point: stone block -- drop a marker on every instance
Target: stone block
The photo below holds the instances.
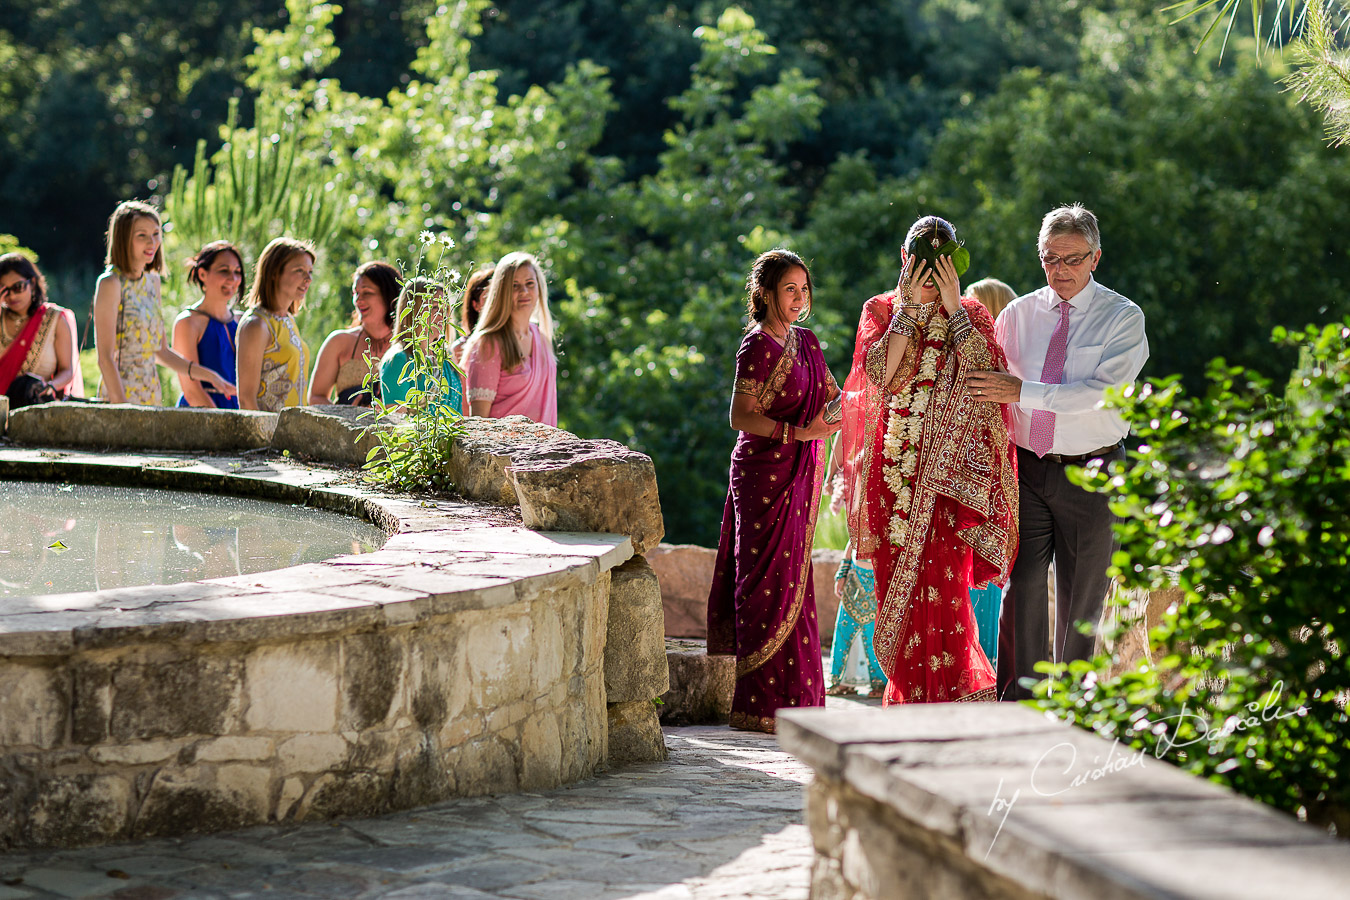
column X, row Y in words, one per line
column 685, row 572
column 438, row 678
column 635, row 647
column 635, row 733
column 292, row 688
column 34, row 703
column 175, row 697
column 235, row 749
column 131, row 427
column 419, row 777
column 478, row 461
column 499, row 650
column 91, row 703
column 292, row 789
column 202, row 799
column 603, row 487
column 4, row 414
column 139, row 753
column 311, row 753
column 700, row 685
column 547, row 633
column 345, row 794
column 483, row 766
column 540, row 752
column 583, row 732
column 71, row 810
column 372, row 679
column 329, row 433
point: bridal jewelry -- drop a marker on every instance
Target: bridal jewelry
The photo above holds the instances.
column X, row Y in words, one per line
column 6, row 334
column 904, row 429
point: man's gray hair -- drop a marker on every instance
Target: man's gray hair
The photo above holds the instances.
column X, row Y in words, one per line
column 1073, row 219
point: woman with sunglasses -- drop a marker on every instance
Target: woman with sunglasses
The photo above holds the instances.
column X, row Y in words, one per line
column 38, row 361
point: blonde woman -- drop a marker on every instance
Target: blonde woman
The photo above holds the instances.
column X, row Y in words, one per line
column 508, row 362
column 272, row 359
column 994, row 294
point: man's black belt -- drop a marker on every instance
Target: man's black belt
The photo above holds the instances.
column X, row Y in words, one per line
column 1081, row 458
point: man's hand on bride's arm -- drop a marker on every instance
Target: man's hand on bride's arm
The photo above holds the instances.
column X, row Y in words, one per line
column 994, row 387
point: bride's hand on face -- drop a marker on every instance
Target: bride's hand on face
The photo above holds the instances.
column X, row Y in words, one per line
column 949, row 284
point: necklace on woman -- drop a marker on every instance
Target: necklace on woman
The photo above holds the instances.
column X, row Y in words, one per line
column 780, row 338
column 904, row 430
column 6, row 334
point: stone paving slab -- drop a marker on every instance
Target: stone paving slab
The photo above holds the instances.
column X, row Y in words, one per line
column 721, row 818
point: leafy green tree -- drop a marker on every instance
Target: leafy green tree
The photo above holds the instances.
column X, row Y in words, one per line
column 1217, row 198
column 656, row 272
column 1240, row 496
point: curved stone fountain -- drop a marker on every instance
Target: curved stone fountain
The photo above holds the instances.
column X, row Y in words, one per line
column 509, row 640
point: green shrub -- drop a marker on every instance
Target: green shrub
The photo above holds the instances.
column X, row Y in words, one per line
column 1242, row 497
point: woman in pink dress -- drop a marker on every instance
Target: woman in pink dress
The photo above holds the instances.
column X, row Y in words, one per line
column 508, row 363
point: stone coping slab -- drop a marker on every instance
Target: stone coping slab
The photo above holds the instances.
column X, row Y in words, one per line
column 1051, row 810
column 441, row 556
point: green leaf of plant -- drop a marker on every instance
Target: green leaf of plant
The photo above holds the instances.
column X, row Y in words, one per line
column 961, row 261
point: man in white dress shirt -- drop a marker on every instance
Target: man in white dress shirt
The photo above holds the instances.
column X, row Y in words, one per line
column 1066, row 344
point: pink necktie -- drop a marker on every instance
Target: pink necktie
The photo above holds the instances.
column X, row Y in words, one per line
column 1043, row 421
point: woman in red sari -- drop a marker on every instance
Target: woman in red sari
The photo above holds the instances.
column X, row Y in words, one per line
column 930, row 476
column 762, row 606
column 38, row 361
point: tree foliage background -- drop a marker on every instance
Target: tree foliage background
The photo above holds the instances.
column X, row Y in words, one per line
column 648, row 150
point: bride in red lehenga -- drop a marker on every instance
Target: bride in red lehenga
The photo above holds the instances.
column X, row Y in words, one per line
column 931, row 479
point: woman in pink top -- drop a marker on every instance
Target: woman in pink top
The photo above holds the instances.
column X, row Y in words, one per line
column 508, row 364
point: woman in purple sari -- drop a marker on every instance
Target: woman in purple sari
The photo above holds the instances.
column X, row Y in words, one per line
column 762, row 606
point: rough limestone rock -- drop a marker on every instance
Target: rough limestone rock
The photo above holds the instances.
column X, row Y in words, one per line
column 700, row 685
column 685, row 572
column 635, row 733
column 561, row 482
column 604, row 487
column 327, row 433
column 4, row 414
column 478, row 462
column 128, row 427
column 635, row 646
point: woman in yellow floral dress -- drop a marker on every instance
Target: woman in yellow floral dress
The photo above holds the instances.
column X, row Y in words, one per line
column 128, row 328
column 272, row 360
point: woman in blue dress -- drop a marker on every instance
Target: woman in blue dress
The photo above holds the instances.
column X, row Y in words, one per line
column 204, row 334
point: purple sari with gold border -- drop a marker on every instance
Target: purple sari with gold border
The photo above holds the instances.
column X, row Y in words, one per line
column 762, row 606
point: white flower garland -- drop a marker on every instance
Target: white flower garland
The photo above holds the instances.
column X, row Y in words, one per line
column 900, row 445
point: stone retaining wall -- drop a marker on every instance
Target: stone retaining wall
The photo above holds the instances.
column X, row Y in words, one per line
column 994, row 800
column 469, row 655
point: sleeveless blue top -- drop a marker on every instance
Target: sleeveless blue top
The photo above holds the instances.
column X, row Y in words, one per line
column 216, row 351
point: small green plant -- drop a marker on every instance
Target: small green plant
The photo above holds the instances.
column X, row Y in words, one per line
column 1242, row 497
column 412, row 454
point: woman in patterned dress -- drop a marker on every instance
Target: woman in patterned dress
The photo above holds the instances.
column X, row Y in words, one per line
column 272, row 359
column 128, row 327
column 929, row 476
column 762, row 606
